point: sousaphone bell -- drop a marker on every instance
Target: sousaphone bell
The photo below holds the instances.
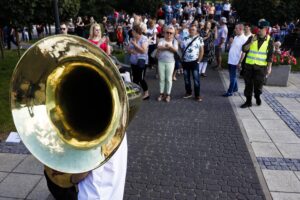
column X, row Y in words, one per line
column 70, row 105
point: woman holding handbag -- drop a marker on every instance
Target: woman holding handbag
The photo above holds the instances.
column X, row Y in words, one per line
column 138, row 50
column 166, row 49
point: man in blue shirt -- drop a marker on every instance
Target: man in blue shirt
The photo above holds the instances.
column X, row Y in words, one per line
column 192, row 48
column 176, row 9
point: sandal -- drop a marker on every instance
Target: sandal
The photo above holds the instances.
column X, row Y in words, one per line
column 168, row 99
column 160, row 97
column 199, row 99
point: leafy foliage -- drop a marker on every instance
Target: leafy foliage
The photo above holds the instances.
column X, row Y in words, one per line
column 275, row 11
column 24, row 12
column 96, row 8
column 99, row 8
column 17, row 12
column 141, row 6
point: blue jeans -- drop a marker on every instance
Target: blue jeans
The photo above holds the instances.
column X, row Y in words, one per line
column 168, row 18
column 188, row 68
column 176, row 15
column 233, row 86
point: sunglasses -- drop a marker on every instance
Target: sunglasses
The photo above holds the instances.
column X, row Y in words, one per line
column 62, row 29
column 169, row 33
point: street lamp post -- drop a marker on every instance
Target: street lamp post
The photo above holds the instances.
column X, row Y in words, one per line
column 56, row 16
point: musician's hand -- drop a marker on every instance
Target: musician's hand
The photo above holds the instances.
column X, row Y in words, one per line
column 76, row 178
column 56, row 173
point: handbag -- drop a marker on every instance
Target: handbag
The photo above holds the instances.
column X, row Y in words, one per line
column 154, row 54
column 141, row 63
column 133, row 59
column 177, row 54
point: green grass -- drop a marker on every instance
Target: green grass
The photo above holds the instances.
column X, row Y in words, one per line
column 7, row 66
column 120, row 55
column 33, row 41
column 296, row 68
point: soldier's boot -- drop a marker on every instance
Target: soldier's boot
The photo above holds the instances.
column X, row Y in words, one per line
column 258, row 100
column 248, row 103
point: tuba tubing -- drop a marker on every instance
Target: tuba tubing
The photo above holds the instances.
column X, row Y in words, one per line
column 70, row 105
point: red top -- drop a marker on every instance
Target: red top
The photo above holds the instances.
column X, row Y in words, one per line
column 159, row 29
column 116, row 14
column 120, row 37
column 160, row 13
column 103, row 46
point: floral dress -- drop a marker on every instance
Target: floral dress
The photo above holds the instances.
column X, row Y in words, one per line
column 209, row 47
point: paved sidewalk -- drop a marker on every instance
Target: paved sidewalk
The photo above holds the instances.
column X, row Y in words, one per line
column 273, row 130
column 191, row 150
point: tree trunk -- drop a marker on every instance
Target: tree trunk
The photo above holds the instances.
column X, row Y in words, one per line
column 56, row 16
column 30, row 31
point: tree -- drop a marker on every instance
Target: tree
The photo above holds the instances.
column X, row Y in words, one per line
column 275, row 11
column 17, row 12
column 99, row 8
column 67, row 9
column 23, row 12
column 96, row 8
column 141, row 6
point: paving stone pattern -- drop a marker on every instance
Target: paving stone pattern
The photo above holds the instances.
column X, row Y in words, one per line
column 279, row 163
column 286, row 95
column 189, row 150
column 281, row 111
column 17, row 148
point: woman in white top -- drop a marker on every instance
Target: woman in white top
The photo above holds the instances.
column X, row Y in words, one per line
column 166, row 48
column 151, row 34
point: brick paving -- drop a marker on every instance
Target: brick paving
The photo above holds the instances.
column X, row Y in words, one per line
column 292, row 122
column 272, row 163
column 185, row 149
column 189, row 150
column 15, row 148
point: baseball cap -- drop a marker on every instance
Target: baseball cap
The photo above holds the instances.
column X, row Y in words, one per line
column 223, row 19
column 263, row 24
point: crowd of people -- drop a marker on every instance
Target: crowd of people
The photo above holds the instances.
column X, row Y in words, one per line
column 181, row 39
column 190, row 46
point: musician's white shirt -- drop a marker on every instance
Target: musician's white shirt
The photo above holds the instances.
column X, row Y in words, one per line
column 106, row 182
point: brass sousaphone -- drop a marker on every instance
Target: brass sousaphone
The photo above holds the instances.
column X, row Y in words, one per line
column 70, row 105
